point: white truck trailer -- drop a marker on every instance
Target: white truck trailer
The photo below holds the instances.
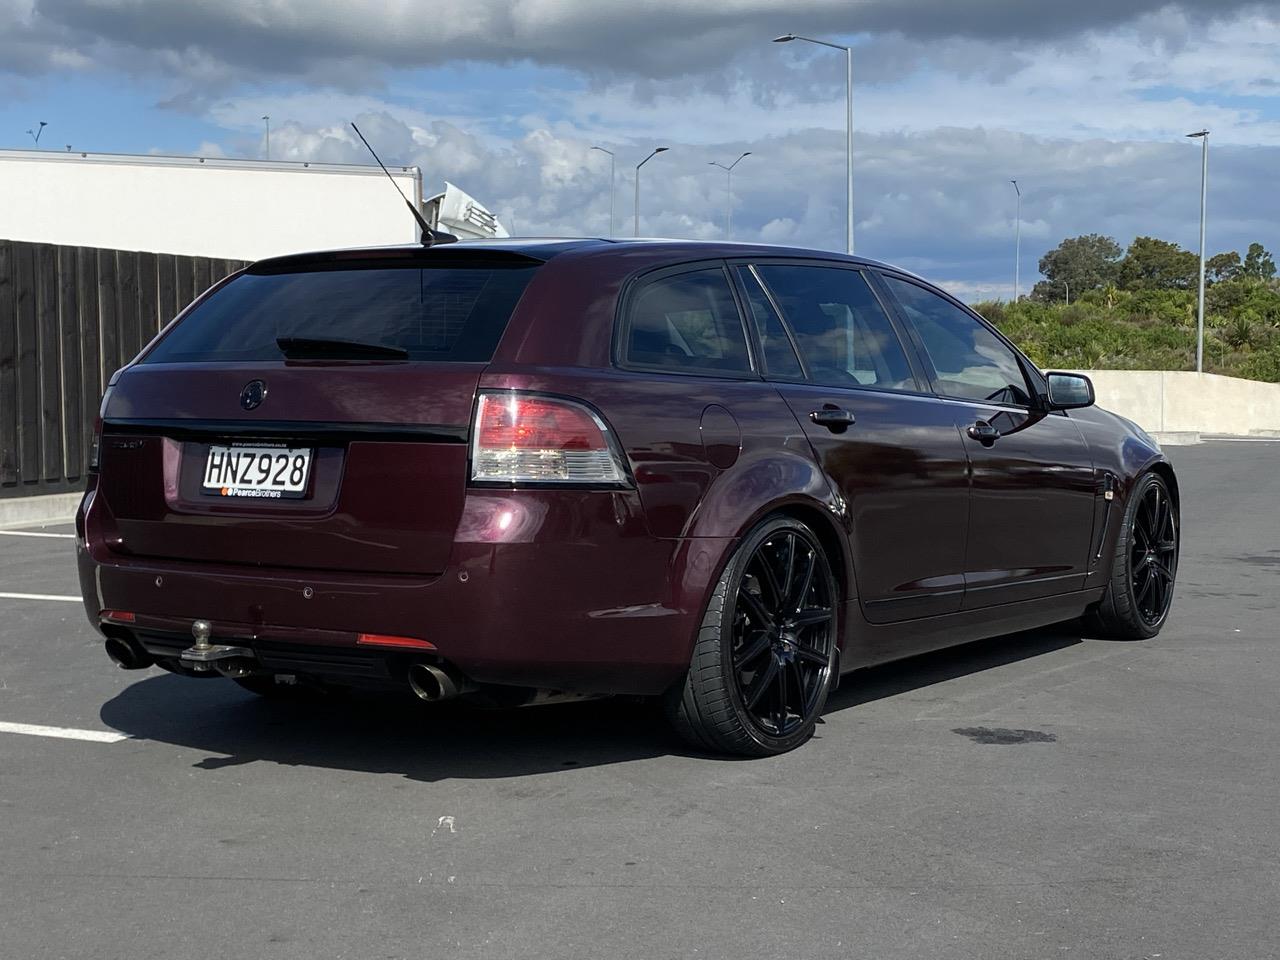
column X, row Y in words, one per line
column 216, row 207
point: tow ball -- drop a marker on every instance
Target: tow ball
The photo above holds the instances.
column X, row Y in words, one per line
column 203, row 656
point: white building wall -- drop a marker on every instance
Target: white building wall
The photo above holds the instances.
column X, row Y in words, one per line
column 237, row 209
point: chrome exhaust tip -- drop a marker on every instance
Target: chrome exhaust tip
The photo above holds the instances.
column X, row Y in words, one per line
column 128, row 654
column 431, row 683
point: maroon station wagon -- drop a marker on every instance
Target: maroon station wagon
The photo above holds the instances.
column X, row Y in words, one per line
column 514, row 471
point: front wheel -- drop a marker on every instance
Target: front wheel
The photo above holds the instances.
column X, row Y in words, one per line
column 1144, row 567
column 765, row 655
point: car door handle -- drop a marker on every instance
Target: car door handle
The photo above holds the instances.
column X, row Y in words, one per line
column 835, row 419
column 984, row 433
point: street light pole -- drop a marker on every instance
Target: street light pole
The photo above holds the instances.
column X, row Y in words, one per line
column 613, row 231
column 1203, row 137
column 656, row 151
column 728, row 220
column 1017, row 244
column 1067, row 283
column 268, row 121
column 848, row 131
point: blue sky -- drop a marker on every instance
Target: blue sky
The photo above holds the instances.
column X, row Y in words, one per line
column 506, row 97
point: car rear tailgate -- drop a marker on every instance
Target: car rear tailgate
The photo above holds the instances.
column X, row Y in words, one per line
column 387, row 477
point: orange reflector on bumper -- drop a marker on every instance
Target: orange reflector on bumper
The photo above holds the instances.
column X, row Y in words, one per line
column 120, row 616
column 381, row 640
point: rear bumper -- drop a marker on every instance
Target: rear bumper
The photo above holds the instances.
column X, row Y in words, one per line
column 556, row 589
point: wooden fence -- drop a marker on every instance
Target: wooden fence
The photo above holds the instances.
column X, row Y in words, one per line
column 70, row 317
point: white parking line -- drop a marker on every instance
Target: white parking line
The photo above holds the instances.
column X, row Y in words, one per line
column 62, row 733
column 36, row 533
column 40, row 596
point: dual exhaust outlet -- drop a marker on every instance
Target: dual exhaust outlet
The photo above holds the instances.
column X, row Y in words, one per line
column 428, row 681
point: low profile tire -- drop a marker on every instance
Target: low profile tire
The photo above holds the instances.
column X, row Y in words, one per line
column 1144, row 567
column 765, row 655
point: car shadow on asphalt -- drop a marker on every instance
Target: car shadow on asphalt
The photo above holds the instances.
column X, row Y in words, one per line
column 925, row 670
column 433, row 742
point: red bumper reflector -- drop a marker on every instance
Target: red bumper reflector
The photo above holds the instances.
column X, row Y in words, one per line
column 121, row 616
column 380, row 640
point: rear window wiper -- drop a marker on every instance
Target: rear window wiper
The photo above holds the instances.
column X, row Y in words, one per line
column 318, row 348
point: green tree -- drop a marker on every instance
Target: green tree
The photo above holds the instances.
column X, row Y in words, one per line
column 1226, row 296
column 1222, row 266
column 1151, row 264
column 1084, row 263
column 1258, row 264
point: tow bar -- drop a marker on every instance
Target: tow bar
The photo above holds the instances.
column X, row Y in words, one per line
column 203, row 656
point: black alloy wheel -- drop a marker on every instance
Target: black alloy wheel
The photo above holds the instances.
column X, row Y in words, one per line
column 783, row 630
column 766, row 653
column 1153, row 554
column 1144, row 565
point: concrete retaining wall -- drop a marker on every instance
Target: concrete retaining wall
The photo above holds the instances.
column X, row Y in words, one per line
column 34, row 511
column 1173, row 402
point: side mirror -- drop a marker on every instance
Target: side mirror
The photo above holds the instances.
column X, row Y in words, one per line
column 1069, row 391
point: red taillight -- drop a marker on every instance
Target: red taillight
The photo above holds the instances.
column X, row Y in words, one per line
column 382, row 640
column 524, row 438
column 532, row 423
column 119, row 616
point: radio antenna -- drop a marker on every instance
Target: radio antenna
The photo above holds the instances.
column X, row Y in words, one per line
column 429, row 236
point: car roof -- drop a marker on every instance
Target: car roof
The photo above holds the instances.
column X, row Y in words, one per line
column 541, row 249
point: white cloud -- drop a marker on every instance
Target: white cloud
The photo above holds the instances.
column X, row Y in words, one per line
column 342, row 38
column 935, row 202
column 1099, row 86
column 1084, row 103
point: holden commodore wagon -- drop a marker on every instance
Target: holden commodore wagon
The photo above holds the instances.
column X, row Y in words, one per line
column 722, row 475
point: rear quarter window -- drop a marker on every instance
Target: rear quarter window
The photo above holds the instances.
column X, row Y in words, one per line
column 448, row 313
column 687, row 323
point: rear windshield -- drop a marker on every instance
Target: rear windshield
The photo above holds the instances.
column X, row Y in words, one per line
column 453, row 312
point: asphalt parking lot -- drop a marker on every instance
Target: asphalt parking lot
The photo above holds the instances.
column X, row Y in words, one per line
column 1041, row 795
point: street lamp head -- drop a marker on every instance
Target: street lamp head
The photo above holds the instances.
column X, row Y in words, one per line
column 656, row 151
column 1201, row 133
column 785, row 38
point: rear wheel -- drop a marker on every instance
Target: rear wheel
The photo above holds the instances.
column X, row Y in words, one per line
column 765, row 655
column 1144, row 567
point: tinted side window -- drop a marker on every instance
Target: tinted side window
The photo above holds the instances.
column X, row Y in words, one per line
column 687, row 322
column 971, row 362
column 780, row 358
column 843, row 334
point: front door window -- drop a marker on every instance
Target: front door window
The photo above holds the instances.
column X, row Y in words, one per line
column 970, row 362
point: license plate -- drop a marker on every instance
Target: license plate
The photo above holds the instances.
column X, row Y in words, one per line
column 245, row 470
